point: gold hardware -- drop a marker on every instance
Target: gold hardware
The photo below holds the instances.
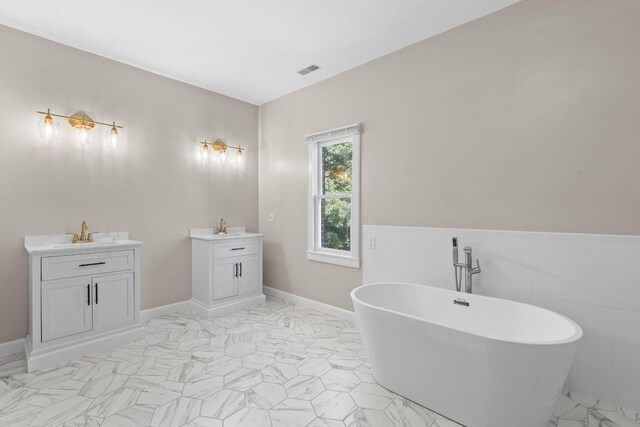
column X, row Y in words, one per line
column 219, row 146
column 220, row 228
column 48, row 120
column 84, row 238
column 79, row 119
column 83, row 230
column 114, row 130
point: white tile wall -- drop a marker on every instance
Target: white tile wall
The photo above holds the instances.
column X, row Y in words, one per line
column 593, row 279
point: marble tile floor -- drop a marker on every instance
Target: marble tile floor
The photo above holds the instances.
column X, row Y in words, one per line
column 276, row 365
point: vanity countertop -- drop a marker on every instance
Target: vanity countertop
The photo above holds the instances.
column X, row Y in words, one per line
column 60, row 244
column 234, row 234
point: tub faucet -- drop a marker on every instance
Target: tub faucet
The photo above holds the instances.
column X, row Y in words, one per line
column 467, row 266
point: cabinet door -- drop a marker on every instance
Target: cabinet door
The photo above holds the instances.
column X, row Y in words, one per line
column 112, row 300
column 66, row 308
column 224, row 278
column 249, row 274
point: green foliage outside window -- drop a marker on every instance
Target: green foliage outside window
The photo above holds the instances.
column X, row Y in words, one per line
column 336, row 212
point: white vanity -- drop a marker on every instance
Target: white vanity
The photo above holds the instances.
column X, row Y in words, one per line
column 226, row 271
column 83, row 297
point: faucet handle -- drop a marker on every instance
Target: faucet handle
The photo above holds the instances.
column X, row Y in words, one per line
column 75, row 237
column 90, row 236
column 477, row 269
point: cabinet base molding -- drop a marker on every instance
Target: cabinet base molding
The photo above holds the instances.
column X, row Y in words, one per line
column 60, row 354
column 228, row 307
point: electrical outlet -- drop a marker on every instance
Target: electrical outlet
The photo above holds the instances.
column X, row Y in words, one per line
column 372, row 242
column 271, row 218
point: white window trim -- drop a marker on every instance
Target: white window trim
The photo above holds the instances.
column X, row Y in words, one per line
column 314, row 252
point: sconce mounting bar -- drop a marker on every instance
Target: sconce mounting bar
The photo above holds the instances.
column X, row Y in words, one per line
column 71, row 117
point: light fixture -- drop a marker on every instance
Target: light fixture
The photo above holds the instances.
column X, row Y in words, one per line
column 113, row 137
column 82, row 123
column 204, row 153
column 48, row 127
column 218, row 150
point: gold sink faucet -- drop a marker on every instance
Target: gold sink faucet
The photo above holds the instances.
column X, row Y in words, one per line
column 220, row 228
column 84, row 237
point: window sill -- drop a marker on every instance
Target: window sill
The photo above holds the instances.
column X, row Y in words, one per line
column 345, row 261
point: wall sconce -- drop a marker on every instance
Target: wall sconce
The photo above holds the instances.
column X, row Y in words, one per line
column 82, row 124
column 218, row 150
column 48, row 127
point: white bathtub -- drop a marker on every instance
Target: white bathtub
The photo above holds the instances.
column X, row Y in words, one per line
column 494, row 363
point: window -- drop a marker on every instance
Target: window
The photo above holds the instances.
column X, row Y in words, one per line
column 334, row 196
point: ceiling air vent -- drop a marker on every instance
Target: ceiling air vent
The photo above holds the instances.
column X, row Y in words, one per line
column 309, row 69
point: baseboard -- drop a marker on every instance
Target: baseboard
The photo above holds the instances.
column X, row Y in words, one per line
column 152, row 313
column 220, row 309
column 44, row 358
column 11, row 347
column 17, row 346
column 340, row 313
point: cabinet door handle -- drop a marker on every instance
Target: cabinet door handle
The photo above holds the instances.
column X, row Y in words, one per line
column 240, row 269
column 96, row 293
column 93, row 263
column 237, row 249
column 88, row 294
column 235, row 270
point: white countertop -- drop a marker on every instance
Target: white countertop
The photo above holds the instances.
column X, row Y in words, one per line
column 207, row 234
column 62, row 243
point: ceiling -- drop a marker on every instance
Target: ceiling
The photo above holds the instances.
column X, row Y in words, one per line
column 246, row 49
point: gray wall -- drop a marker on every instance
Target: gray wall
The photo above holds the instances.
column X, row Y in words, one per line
column 155, row 187
column 523, row 120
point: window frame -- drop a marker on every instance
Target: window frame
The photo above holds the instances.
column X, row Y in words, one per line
column 315, row 144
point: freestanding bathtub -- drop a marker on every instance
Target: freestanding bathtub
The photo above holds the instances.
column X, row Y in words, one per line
column 491, row 363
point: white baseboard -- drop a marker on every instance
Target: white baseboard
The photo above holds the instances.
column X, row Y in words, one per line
column 11, row 347
column 17, row 346
column 220, row 309
column 62, row 353
column 340, row 313
column 152, row 313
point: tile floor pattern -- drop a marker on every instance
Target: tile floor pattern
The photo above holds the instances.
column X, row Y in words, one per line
column 275, row 365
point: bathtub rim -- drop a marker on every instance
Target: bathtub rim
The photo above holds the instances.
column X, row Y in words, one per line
column 574, row 338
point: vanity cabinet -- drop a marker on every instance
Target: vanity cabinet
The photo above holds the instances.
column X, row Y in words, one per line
column 82, row 298
column 72, row 306
column 236, row 276
column 249, row 276
column 66, row 308
column 112, row 300
column 226, row 272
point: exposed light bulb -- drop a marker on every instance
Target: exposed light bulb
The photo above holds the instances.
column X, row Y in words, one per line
column 204, row 153
column 48, row 128
column 113, row 137
column 83, row 135
column 239, row 155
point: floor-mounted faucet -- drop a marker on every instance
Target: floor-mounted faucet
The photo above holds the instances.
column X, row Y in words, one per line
column 467, row 266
